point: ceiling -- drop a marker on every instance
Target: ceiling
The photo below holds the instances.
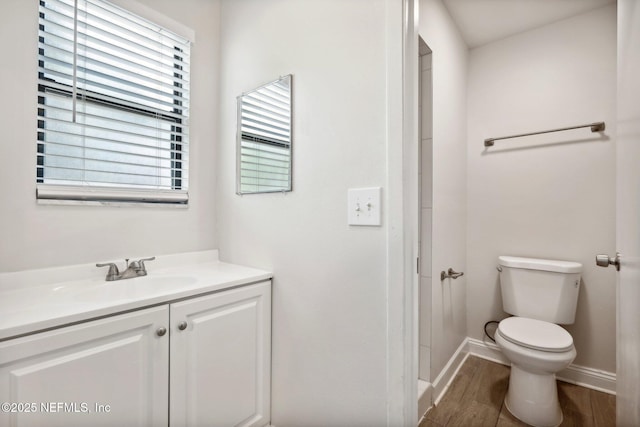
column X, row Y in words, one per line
column 483, row 21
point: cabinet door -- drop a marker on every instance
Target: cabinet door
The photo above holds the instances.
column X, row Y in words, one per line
column 221, row 362
column 107, row 372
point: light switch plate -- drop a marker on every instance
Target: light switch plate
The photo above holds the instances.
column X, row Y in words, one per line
column 364, row 206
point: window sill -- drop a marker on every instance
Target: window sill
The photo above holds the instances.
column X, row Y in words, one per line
column 111, row 203
column 48, row 194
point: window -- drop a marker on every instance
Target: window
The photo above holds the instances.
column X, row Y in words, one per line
column 113, row 106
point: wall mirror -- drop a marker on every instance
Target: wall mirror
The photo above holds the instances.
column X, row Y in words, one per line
column 264, row 139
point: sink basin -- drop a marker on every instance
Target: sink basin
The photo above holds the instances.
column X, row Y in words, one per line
column 127, row 289
column 165, row 281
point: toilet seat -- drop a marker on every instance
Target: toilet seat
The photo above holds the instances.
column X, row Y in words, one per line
column 535, row 334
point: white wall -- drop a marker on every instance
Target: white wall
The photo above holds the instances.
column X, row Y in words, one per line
column 34, row 236
column 449, row 76
column 426, row 212
column 329, row 295
column 548, row 196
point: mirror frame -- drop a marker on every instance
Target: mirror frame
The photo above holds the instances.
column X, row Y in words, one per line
column 289, row 187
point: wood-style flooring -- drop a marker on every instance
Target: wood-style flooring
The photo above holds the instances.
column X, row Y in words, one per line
column 475, row 398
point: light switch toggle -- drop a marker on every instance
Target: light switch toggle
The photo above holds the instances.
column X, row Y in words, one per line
column 364, row 206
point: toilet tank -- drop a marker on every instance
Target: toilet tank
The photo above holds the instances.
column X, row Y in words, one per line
column 540, row 289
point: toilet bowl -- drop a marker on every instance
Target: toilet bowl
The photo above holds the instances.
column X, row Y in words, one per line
column 540, row 294
column 537, row 350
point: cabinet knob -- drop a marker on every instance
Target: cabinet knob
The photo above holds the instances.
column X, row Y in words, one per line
column 182, row 325
column 161, row 331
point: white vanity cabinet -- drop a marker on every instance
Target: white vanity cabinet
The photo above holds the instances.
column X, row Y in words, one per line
column 118, row 361
column 221, row 359
column 201, row 361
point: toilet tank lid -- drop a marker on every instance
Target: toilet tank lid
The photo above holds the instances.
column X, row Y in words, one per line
column 540, row 264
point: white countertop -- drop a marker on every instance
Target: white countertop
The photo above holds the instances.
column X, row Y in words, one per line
column 35, row 300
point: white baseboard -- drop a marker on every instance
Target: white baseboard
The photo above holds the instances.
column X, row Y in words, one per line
column 486, row 350
column 591, row 378
column 425, row 396
column 448, row 373
column 575, row 374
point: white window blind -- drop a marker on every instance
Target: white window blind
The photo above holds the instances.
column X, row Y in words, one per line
column 113, row 105
column 265, row 138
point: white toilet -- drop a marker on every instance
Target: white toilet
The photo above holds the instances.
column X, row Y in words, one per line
column 540, row 294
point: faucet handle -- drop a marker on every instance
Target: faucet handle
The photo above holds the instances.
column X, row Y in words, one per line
column 113, row 270
column 135, row 265
column 139, row 265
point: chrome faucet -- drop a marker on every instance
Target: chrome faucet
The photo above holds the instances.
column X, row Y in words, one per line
column 133, row 269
